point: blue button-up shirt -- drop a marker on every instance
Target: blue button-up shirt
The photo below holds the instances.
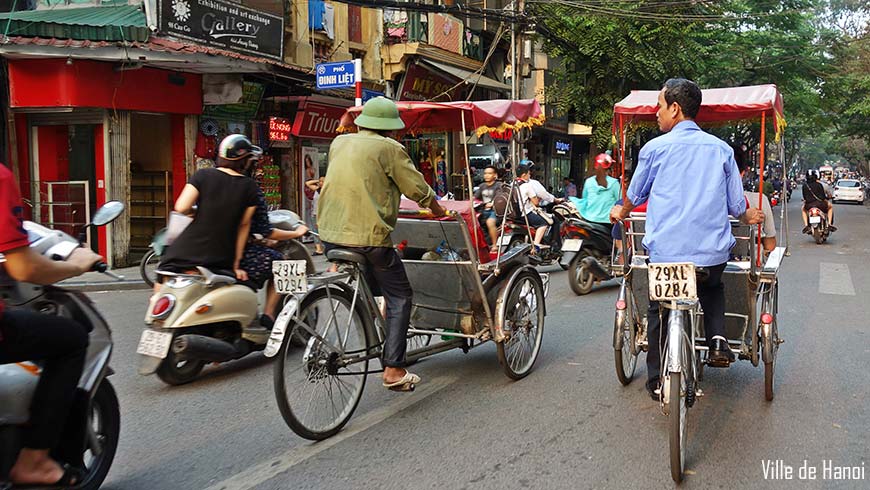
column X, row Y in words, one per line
column 691, row 181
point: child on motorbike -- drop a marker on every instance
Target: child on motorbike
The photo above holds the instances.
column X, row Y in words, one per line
column 259, row 255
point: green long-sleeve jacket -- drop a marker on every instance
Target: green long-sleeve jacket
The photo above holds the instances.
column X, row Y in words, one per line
column 366, row 177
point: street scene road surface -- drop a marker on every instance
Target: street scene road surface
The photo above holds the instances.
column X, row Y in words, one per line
column 569, row 424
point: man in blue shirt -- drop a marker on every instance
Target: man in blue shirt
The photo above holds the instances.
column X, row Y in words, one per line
column 692, row 183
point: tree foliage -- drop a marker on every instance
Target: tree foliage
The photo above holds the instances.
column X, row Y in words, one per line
column 815, row 51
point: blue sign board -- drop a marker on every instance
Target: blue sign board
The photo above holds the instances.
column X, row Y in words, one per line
column 370, row 94
column 335, row 75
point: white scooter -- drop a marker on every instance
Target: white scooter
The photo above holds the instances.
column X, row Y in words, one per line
column 206, row 317
column 91, row 435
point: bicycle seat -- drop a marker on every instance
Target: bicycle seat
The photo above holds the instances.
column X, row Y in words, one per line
column 345, row 255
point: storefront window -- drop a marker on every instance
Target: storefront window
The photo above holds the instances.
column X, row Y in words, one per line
column 429, row 154
column 314, row 156
column 560, row 165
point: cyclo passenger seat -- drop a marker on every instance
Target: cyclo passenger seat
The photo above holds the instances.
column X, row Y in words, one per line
column 345, row 255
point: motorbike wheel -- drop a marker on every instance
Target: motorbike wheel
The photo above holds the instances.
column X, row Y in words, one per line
column 148, row 266
column 580, row 278
column 175, row 372
column 817, row 236
column 105, row 421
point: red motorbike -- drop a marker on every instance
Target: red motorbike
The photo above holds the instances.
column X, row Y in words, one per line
column 818, row 221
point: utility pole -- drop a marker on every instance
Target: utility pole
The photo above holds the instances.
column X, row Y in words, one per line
column 516, row 75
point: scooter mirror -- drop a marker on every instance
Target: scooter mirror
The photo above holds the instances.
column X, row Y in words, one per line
column 107, row 213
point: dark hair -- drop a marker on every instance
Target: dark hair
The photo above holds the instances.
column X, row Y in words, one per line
column 739, row 157
column 684, row 92
column 493, row 167
column 523, row 170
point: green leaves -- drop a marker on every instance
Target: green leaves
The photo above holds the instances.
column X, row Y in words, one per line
column 815, row 51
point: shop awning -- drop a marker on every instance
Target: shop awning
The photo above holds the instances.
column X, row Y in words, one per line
column 481, row 116
column 112, row 23
column 469, row 77
column 717, row 104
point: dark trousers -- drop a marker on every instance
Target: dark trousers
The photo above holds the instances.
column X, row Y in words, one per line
column 385, row 275
column 711, row 294
column 61, row 344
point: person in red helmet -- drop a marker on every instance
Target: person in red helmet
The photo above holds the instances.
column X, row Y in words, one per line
column 600, row 192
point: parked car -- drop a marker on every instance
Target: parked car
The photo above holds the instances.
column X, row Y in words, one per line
column 849, row 190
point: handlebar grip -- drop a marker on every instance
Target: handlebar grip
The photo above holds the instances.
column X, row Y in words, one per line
column 100, row 267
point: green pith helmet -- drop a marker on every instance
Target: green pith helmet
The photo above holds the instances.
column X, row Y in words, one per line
column 380, row 113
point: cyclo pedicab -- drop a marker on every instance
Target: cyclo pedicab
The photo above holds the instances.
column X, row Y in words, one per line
column 751, row 286
column 331, row 327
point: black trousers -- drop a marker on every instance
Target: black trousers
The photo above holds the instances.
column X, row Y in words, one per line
column 61, row 344
column 711, row 294
column 385, row 275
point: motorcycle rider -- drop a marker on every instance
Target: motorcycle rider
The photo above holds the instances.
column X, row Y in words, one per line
column 226, row 199
column 687, row 219
column 816, row 196
column 600, row 192
column 60, row 343
column 359, row 204
column 537, row 217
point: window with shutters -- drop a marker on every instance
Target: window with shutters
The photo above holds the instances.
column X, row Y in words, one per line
column 354, row 23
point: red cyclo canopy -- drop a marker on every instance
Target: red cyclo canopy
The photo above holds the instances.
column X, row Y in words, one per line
column 717, row 104
column 481, row 116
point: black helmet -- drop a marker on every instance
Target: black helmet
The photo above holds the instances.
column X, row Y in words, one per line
column 238, row 147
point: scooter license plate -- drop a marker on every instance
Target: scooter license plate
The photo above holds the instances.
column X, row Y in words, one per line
column 289, row 276
column 672, row 282
column 154, row 344
column 504, row 240
column 815, row 219
column 572, row 245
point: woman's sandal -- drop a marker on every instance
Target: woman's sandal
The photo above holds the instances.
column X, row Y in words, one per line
column 70, row 479
column 407, row 383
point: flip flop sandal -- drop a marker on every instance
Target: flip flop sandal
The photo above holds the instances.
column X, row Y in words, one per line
column 70, row 478
column 407, row 383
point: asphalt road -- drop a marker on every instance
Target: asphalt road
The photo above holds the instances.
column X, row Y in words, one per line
column 569, row 424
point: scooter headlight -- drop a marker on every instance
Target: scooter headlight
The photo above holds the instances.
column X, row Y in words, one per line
column 163, row 306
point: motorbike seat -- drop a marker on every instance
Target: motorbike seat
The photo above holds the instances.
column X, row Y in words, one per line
column 345, row 255
column 213, row 279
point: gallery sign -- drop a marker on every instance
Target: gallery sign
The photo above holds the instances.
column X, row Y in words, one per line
column 224, row 25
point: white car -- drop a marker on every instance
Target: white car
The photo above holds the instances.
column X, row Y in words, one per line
column 849, row 190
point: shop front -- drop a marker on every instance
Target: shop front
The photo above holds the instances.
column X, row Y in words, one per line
column 558, row 155
column 314, row 127
column 85, row 133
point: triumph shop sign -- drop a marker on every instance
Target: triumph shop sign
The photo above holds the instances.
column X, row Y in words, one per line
column 223, row 25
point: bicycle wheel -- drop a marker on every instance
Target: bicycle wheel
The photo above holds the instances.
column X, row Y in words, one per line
column 319, row 386
column 677, row 424
column 771, row 345
column 625, row 361
column 523, row 323
column 148, row 267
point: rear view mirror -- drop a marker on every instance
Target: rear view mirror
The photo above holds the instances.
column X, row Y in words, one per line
column 107, row 213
